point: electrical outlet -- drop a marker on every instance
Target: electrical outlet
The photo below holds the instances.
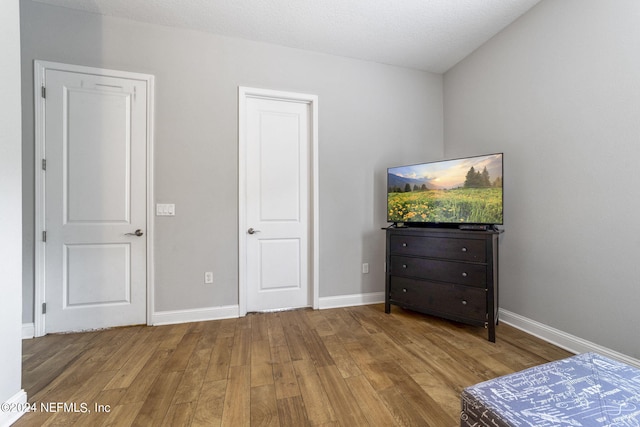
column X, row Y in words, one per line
column 365, row 267
column 208, row 277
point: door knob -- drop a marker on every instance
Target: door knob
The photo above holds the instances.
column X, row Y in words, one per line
column 252, row 231
column 138, row 233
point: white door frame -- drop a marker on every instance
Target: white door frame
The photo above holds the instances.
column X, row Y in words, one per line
column 40, row 68
column 312, row 101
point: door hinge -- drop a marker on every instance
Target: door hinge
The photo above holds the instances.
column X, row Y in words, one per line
column 44, row 164
column 44, row 308
column 44, row 236
column 43, row 92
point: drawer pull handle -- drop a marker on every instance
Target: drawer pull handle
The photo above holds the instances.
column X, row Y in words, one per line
column 404, row 245
column 404, row 290
column 404, row 265
column 464, row 302
column 464, row 274
column 464, row 249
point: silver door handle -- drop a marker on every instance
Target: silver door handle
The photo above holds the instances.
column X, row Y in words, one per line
column 138, row 233
column 252, row 231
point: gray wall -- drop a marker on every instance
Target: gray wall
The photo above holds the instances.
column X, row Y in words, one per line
column 559, row 93
column 10, row 202
column 371, row 116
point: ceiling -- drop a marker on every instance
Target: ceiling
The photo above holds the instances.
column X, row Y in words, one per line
column 430, row 35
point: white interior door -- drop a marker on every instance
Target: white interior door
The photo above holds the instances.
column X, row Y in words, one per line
column 95, row 133
column 278, row 200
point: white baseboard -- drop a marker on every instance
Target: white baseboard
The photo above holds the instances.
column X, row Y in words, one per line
column 561, row 339
column 351, row 300
column 195, row 315
column 233, row 311
column 8, row 418
column 28, row 331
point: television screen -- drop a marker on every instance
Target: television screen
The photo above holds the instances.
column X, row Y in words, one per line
column 459, row 191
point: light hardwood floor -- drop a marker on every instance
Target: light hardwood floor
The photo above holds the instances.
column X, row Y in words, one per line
column 354, row 366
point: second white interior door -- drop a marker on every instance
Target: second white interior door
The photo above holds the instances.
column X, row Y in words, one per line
column 96, row 133
column 277, row 203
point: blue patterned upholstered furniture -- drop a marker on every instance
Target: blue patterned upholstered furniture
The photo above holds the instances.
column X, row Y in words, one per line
column 587, row 390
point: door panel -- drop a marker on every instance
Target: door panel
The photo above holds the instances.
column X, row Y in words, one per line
column 280, row 264
column 277, row 204
column 96, row 156
column 279, row 158
column 95, row 137
column 106, row 267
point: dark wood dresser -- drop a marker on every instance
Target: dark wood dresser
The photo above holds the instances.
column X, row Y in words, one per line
column 444, row 272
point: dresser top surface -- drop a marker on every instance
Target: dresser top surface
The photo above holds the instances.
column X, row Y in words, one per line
column 442, row 232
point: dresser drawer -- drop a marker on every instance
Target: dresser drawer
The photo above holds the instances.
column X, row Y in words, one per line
column 439, row 270
column 441, row 298
column 435, row 247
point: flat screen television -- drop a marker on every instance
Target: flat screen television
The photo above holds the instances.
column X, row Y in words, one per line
column 448, row 192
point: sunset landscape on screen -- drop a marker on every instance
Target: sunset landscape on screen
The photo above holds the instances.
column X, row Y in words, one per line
column 467, row 190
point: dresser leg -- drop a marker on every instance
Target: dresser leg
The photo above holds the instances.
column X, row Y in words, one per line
column 492, row 333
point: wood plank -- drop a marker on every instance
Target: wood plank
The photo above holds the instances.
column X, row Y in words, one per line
column 371, row 404
column 179, row 414
column 208, row 335
column 261, row 362
column 193, row 377
column 182, row 353
column 317, row 404
column 402, row 411
column 420, row 402
column 220, row 359
column 237, row 399
column 129, row 371
column 275, row 331
column 295, row 341
column 285, row 381
column 241, row 352
column 291, row 412
column 369, row 367
column 156, row 405
column 259, row 327
column 340, row 396
column 341, row 356
column 210, row 404
column 439, row 390
column 314, row 345
column 227, row 327
column 120, row 351
column 169, row 336
column 264, row 407
column 139, row 389
column 320, row 323
column 38, row 378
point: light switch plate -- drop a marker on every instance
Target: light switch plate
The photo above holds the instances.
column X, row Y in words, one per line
column 165, row 209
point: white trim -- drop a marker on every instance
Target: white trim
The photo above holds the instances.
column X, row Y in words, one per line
column 351, row 300
column 40, row 214
column 194, row 315
column 312, row 101
column 40, row 68
column 561, row 339
column 151, row 88
column 8, row 418
column 28, row 331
